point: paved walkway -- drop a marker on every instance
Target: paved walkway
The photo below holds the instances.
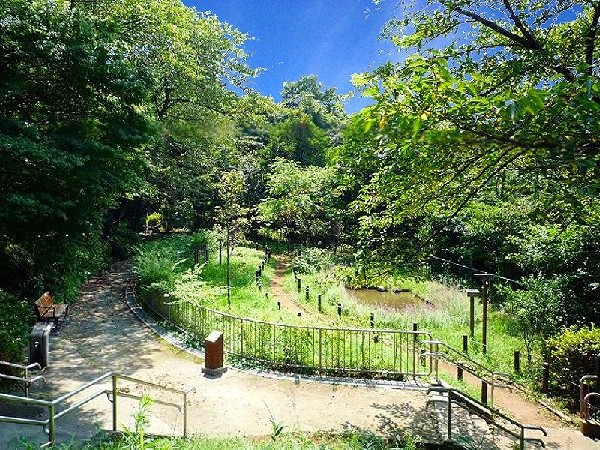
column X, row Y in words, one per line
column 102, row 334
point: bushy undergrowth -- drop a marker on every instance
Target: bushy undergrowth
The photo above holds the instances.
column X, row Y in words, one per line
column 15, row 323
column 572, row 354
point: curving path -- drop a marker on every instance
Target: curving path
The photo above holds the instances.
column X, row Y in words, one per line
column 103, row 334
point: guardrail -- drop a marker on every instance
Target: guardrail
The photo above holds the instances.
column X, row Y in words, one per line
column 395, row 353
column 489, row 414
column 587, row 410
column 27, row 380
column 463, row 362
column 113, row 394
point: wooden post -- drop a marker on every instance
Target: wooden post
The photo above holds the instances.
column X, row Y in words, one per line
column 372, row 320
column 307, row 293
column 485, row 280
column 299, row 285
column 517, row 361
column 339, row 309
column 472, row 316
column 484, row 393
column 459, row 371
column 465, row 342
column 319, row 299
column 546, row 378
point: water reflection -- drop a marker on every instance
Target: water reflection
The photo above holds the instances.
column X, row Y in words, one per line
column 373, row 297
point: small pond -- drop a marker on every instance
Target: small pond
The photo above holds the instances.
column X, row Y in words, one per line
column 386, row 299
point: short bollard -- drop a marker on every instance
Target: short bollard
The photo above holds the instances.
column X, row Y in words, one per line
column 339, row 309
column 319, row 299
column 517, row 361
column 299, row 314
column 459, row 372
column 484, row 392
column 415, row 326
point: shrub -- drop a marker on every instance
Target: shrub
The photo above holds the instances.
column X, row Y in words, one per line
column 15, row 323
column 154, row 221
column 572, row 354
column 313, row 260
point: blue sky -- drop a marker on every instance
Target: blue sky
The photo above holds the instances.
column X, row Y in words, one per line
column 331, row 39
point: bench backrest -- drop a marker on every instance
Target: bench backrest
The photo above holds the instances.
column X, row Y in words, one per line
column 44, row 301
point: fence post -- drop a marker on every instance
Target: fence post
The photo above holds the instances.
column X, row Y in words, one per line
column 114, row 395
column 307, row 293
column 517, row 361
column 415, row 327
column 449, row 410
column 472, row 316
column 319, row 302
column 372, row 320
column 299, row 285
column 465, row 343
column 320, row 348
column 185, row 424
column 241, row 337
column 484, row 386
column 51, row 424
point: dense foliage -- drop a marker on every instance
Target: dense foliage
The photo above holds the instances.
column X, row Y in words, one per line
column 480, row 148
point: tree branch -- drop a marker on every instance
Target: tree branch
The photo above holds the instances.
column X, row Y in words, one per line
column 527, row 34
column 590, row 44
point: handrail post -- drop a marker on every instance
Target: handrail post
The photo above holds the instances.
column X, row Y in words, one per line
column 492, row 393
column 51, row 424
column 437, row 362
column 185, row 422
column 449, row 415
column 522, row 443
column 114, row 394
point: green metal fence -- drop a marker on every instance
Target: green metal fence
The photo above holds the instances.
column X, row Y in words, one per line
column 395, row 353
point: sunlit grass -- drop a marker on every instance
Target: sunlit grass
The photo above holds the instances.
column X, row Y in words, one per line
column 443, row 311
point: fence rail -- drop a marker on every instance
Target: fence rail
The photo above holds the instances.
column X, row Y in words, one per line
column 352, row 351
column 113, row 394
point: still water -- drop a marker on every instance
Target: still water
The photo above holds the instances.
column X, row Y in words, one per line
column 386, row 299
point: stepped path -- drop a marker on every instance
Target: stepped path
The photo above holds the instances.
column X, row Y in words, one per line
column 102, row 334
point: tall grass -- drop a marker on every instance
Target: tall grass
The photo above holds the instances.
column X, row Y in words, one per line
column 167, row 264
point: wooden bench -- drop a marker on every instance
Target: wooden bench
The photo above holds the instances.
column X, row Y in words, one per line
column 46, row 310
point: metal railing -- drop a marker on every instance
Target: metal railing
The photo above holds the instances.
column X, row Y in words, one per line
column 396, row 353
column 490, row 415
column 113, row 394
column 464, row 362
column 26, row 379
column 588, row 410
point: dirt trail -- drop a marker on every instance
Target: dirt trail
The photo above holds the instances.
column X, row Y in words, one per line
column 102, row 334
column 286, row 300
